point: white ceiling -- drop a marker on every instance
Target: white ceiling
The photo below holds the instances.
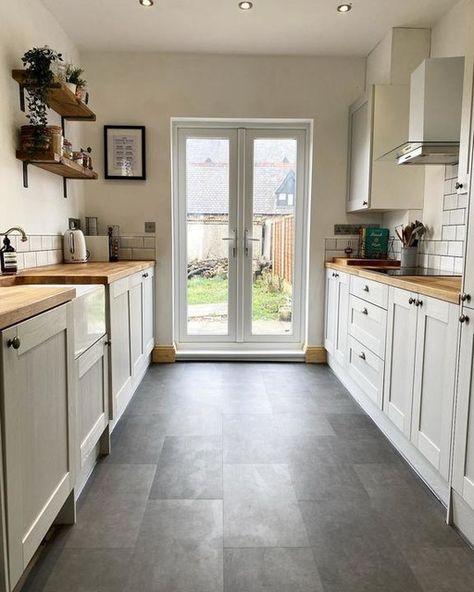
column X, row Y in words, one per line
column 304, row 27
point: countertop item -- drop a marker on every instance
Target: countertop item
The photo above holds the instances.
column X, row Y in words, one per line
column 18, row 303
column 385, row 263
column 74, row 247
column 443, row 288
column 82, row 273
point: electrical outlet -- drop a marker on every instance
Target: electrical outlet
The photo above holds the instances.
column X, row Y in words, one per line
column 150, row 226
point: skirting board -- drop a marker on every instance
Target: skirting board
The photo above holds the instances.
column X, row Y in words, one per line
column 315, row 354
column 164, row 354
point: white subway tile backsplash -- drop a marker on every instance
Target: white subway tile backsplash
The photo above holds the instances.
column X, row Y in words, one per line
column 463, row 200
column 457, row 216
column 455, row 248
column 458, row 265
column 460, row 233
column 330, row 244
column 449, row 233
column 47, row 243
column 143, row 254
column 149, row 242
column 125, row 253
column 434, row 261
column 450, row 202
column 447, row 264
column 42, row 258
column 29, row 259
column 134, row 242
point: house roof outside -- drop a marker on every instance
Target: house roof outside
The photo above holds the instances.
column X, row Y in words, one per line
column 207, row 175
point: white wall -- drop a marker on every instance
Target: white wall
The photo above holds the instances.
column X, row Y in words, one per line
column 149, row 89
column 40, row 209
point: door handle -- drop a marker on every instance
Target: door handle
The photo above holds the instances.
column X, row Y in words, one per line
column 247, row 240
column 234, row 241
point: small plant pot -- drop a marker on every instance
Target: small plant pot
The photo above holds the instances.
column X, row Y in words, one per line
column 71, row 86
column 408, row 256
column 50, row 138
column 81, row 93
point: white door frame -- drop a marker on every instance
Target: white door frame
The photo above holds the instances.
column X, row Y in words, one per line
column 214, row 346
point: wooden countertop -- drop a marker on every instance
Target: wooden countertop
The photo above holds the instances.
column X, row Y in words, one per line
column 443, row 288
column 81, row 273
column 18, row 303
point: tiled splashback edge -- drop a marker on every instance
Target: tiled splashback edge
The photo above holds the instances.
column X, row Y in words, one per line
column 47, row 249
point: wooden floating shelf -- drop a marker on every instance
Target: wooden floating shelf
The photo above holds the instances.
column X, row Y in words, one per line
column 60, row 99
column 59, row 165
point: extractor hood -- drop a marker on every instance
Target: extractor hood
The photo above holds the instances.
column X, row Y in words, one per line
column 435, row 114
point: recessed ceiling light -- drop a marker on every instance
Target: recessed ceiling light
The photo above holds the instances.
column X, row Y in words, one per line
column 146, row 2
column 344, row 7
column 245, row 5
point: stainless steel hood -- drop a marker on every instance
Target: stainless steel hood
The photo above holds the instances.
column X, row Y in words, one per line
column 424, row 153
column 436, row 89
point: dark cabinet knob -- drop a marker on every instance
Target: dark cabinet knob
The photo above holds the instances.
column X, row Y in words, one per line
column 362, row 356
column 365, row 311
column 366, row 288
column 419, row 303
column 145, row 275
column 365, row 203
column 15, row 343
column 465, row 297
column 459, row 185
column 464, row 319
column 411, row 301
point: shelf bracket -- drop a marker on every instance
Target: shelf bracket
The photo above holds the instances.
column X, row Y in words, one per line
column 22, row 97
column 25, row 174
column 65, row 187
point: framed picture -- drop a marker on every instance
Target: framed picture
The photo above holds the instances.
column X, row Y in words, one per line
column 124, row 152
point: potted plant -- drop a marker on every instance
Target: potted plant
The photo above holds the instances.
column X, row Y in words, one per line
column 74, row 81
column 36, row 137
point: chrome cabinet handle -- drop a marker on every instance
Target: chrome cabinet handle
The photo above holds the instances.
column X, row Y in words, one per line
column 15, row 343
column 250, row 239
column 464, row 319
column 365, row 311
column 366, row 288
column 234, row 241
column 362, row 356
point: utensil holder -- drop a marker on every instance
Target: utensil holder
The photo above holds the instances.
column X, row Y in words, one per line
column 408, row 257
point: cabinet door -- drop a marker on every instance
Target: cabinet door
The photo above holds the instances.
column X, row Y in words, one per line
column 330, row 311
column 148, row 308
column 342, row 318
column 360, row 154
column 466, row 177
column 435, row 371
column 121, row 371
column 463, row 468
column 135, row 296
column 92, row 399
column 400, row 358
column 38, row 429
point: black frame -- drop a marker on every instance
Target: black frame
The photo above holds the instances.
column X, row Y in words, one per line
column 141, row 177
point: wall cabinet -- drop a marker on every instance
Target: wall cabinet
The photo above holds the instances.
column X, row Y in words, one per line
column 38, row 421
column 420, row 372
column 336, row 318
column 378, row 123
column 131, row 312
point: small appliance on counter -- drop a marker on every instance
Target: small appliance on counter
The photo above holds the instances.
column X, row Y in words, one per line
column 74, row 247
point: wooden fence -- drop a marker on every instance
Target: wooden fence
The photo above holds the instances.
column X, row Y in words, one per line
column 283, row 247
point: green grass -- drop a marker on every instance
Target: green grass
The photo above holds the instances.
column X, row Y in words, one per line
column 266, row 303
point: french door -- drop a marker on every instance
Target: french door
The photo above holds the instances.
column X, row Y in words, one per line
column 240, row 235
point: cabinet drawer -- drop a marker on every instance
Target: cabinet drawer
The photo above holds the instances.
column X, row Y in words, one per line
column 366, row 369
column 371, row 291
column 367, row 323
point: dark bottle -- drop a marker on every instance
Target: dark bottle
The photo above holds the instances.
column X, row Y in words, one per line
column 8, row 258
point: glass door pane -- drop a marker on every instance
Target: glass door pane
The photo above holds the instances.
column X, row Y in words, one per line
column 209, row 236
column 271, row 235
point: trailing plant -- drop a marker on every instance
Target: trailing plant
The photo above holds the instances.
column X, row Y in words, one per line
column 37, row 62
column 73, row 75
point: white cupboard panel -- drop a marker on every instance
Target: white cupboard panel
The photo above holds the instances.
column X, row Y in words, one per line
column 374, row 292
column 367, row 323
column 366, row 369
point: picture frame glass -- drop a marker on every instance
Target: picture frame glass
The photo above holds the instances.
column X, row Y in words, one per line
column 124, row 148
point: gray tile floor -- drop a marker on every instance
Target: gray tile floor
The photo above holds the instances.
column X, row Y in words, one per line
column 252, row 478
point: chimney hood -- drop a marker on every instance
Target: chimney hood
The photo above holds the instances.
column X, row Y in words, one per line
column 436, row 89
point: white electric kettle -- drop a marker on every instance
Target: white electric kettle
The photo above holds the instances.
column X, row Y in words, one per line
column 74, row 247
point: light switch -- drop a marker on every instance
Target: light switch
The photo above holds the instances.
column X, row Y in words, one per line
column 150, row 226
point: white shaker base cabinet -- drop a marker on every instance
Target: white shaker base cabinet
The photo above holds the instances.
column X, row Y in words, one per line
column 38, row 422
column 131, row 321
column 337, row 311
column 400, row 358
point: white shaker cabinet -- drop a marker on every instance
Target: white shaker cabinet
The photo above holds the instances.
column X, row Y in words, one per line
column 148, row 309
column 400, row 358
column 463, row 468
column 135, row 296
column 378, row 123
column 434, row 382
column 336, row 316
column 38, row 420
column 420, row 372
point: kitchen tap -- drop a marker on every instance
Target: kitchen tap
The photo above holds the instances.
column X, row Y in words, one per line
column 24, row 238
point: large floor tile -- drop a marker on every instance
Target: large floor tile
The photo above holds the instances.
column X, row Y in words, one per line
column 274, row 569
column 189, row 468
column 263, row 523
column 445, row 569
column 259, row 481
column 194, row 424
column 300, row 425
column 353, row 425
column 111, row 514
column 252, row 439
column 138, row 439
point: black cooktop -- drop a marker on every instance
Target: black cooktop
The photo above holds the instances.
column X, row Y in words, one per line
column 416, row 271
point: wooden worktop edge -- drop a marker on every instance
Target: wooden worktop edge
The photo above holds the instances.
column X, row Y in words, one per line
column 410, row 283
